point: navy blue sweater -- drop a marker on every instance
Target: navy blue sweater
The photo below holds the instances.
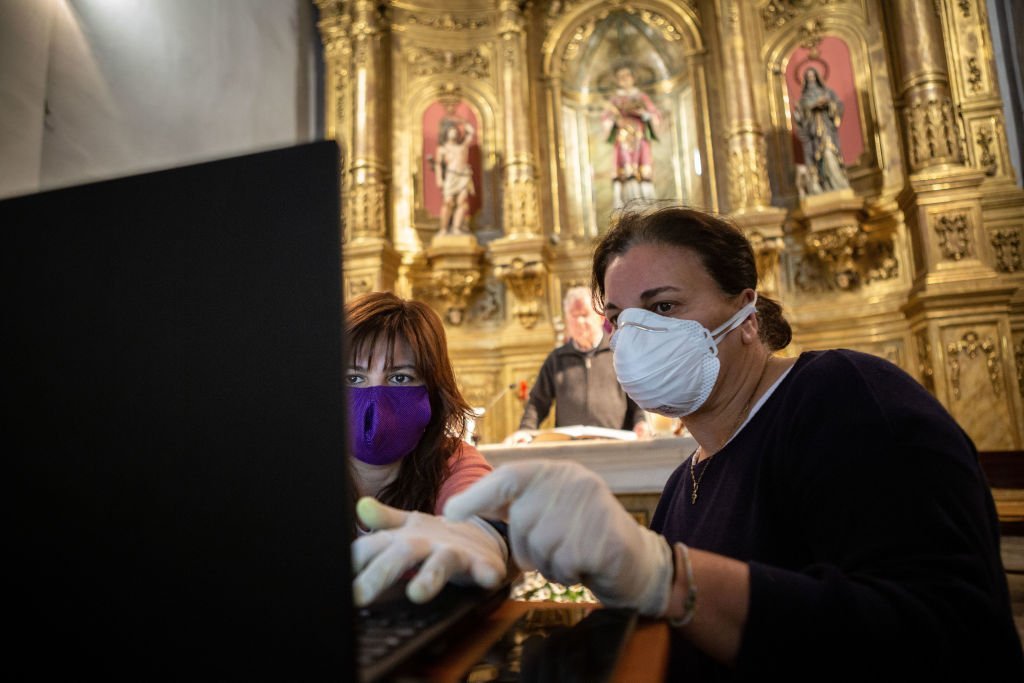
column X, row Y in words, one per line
column 869, row 528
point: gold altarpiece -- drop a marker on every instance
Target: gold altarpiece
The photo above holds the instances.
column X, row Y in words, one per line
column 918, row 261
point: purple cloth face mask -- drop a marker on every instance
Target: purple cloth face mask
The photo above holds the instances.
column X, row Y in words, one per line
column 385, row 423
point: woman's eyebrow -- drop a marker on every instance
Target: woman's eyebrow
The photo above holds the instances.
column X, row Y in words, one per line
column 655, row 291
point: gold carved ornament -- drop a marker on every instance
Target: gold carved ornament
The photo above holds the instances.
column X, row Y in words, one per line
column 969, row 345
column 954, row 236
column 453, row 286
column 448, row 22
column 1006, row 243
column 987, row 159
column 932, row 133
column 777, row 13
column 526, row 280
column 924, row 360
column 430, row 62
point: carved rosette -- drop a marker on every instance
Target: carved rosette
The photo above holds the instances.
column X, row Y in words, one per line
column 526, row 280
column 971, row 346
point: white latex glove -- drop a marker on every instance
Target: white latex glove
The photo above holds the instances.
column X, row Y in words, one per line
column 463, row 552
column 564, row 521
column 517, row 437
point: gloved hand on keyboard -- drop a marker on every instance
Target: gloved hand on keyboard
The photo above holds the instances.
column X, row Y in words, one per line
column 464, row 552
column 564, row 521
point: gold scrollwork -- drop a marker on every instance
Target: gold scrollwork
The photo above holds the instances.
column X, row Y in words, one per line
column 526, row 280
column 974, row 77
column 579, row 36
column 811, row 34
column 511, row 19
column 987, row 159
column 520, row 202
column 366, row 210
column 777, row 13
column 838, row 249
column 447, row 22
column 924, row 362
column 430, row 62
column 954, row 236
column 1006, row 243
column 453, row 286
column 965, row 7
column 969, row 345
column 654, row 21
column 747, row 182
column 766, row 254
column 662, row 25
column 845, row 258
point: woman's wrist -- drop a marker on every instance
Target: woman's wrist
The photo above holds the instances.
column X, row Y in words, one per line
column 682, row 604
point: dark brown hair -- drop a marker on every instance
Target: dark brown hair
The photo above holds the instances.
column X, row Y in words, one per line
column 377, row 316
column 722, row 248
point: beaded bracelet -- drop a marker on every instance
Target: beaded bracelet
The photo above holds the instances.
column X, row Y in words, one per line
column 690, row 603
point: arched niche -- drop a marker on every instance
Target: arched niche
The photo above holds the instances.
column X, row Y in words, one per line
column 417, row 203
column 840, row 48
column 661, row 45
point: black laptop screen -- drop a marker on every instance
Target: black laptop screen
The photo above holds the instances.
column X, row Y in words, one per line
column 175, row 410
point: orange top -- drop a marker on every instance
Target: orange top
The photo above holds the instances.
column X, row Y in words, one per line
column 466, row 465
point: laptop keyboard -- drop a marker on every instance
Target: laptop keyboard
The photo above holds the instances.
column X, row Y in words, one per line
column 394, row 629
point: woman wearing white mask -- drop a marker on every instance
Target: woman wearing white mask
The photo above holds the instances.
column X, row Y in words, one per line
column 834, row 522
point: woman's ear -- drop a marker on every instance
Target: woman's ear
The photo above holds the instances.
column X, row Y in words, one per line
column 750, row 332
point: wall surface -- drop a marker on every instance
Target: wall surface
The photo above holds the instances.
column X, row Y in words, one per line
column 101, row 88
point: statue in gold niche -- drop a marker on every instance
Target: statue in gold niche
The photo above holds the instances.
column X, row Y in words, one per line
column 817, row 116
column 630, row 121
column 453, row 173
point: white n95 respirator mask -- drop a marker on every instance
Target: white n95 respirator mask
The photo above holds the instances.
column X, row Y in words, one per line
column 666, row 365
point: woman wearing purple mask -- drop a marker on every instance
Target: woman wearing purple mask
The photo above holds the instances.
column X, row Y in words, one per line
column 406, row 420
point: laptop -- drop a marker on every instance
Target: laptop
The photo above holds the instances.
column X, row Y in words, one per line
column 175, row 421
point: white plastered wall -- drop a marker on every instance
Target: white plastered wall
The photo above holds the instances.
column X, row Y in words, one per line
column 93, row 89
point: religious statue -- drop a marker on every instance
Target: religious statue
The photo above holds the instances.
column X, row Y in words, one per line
column 454, row 174
column 630, row 121
column 817, row 116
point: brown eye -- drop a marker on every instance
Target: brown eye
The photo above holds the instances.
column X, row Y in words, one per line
column 662, row 308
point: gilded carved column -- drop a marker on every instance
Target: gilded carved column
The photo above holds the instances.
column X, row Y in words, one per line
column 931, row 134
column 748, row 186
column 520, row 256
column 371, row 261
column 519, row 168
column 368, row 172
column 958, row 307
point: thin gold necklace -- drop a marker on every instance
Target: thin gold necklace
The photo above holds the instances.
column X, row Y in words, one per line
column 739, row 421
